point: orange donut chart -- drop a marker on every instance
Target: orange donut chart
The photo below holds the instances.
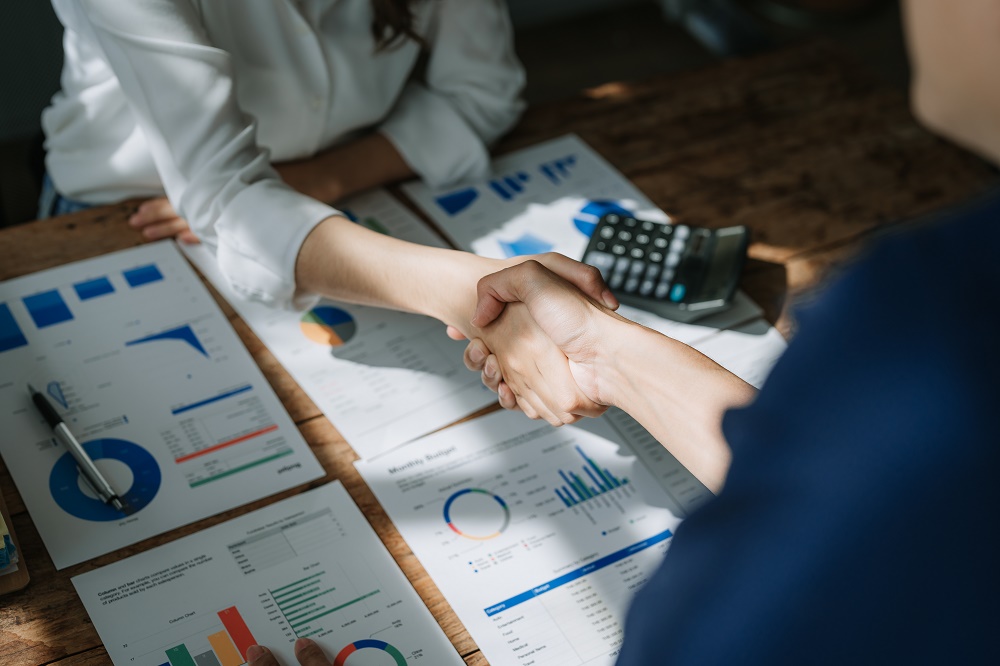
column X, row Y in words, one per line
column 328, row 326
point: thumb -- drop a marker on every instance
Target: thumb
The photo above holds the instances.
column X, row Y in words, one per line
column 507, row 286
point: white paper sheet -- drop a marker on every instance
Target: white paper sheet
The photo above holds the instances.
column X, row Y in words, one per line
column 307, row 566
column 382, row 377
column 537, row 536
column 147, row 372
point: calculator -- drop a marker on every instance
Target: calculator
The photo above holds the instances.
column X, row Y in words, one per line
column 676, row 271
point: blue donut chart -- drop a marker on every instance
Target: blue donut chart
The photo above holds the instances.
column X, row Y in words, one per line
column 65, row 488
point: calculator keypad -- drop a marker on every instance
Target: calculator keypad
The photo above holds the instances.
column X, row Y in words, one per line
column 640, row 257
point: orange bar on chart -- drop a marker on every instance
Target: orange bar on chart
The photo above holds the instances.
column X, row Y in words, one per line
column 224, row 649
column 238, row 630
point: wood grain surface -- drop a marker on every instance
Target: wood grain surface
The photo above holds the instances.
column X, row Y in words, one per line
column 803, row 146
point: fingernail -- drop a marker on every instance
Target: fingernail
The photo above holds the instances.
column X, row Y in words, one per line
column 609, row 299
column 255, row 652
column 134, row 220
column 490, row 371
column 302, row 644
column 476, row 355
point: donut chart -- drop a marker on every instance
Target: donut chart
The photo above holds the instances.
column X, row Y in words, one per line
column 476, row 493
column 371, row 644
column 64, row 481
column 328, row 326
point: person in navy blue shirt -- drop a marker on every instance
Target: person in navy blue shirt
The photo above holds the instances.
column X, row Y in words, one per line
column 857, row 496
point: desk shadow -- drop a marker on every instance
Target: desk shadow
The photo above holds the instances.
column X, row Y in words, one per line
column 767, row 284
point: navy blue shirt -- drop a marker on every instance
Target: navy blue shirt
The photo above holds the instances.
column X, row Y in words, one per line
column 861, row 518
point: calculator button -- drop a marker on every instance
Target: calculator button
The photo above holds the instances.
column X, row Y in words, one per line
column 624, row 236
column 647, row 226
column 673, row 259
column 656, row 257
column 631, row 285
column 642, row 239
column 660, row 243
column 601, row 245
column 652, row 270
column 621, row 264
column 646, row 288
column 677, row 245
column 668, row 274
column 637, row 253
column 607, row 232
column 630, row 222
column 677, row 293
column 618, row 249
column 662, row 289
column 612, row 219
column 681, row 231
column 616, row 280
column 637, row 268
column 600, row 260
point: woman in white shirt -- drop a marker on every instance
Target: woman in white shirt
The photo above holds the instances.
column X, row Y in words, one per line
column 194, row 99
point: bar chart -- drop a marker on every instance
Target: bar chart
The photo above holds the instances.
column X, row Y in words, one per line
column 227, row 646
column 577, row 490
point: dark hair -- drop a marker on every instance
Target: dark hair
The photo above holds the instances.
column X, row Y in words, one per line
column 393, row 23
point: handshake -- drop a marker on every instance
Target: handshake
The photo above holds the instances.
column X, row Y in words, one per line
column 550, row 343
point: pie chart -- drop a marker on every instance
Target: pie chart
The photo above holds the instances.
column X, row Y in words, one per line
column 328, row 326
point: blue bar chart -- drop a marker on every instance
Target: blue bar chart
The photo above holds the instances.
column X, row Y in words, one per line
column 593, row 482
column 89, row 289
column 47, row 308
column 141, row 275
column 11, row 335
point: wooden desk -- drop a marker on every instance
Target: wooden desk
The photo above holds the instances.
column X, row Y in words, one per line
column 802, row 146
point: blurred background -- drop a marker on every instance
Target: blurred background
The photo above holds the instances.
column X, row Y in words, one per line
column 565, row 45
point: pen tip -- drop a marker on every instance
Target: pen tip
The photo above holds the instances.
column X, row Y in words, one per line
column 31, row 389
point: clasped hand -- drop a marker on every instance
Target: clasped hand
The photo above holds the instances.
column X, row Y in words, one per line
column 549, row 300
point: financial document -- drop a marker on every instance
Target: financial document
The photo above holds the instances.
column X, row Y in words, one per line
column 382, row 377
column 146, row 371
column 310, row 565
column 538, row 537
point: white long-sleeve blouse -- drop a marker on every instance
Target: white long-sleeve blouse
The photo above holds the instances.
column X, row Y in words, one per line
column 196, row 98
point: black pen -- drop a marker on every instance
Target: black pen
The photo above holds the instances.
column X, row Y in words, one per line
column 84, row 463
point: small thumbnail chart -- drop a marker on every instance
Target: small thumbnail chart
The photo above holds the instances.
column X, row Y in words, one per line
column 309, row 565
column 183, row 334
column 559, row 170
column 131, row 470
column 577, row 490
column 372, row 645
column 476, row 514
column 328, row 326
column 227, row 643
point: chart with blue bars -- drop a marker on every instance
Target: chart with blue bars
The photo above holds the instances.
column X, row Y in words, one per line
column 577, row 490
column 52, row 307
column 508, row 187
